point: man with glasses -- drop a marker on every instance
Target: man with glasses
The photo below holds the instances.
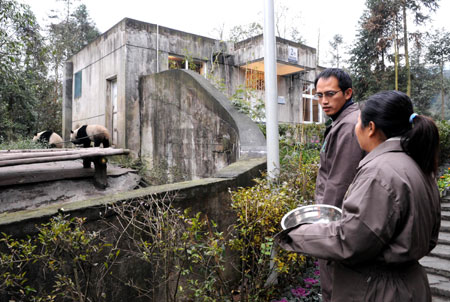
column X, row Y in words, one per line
column 340, row 153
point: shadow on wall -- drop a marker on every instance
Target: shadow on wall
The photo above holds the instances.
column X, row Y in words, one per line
column 191, row 127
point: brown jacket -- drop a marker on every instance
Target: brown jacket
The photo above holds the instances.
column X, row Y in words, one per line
column 391, row 219
column 339, row 158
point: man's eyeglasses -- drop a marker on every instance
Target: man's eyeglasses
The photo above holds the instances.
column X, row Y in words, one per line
column 328, row 94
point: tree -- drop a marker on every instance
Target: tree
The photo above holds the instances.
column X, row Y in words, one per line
column 439, row 54
column 424, row 80
column 72, row 31
column 242, row 32
column 335, row 43
column 287, row 26
column 23, row 70
column 370, row 50
column 416, row 6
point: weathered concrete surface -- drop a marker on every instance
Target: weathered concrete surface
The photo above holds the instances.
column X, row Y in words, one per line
column 209, row 195
column 191, row 126
column 80, row 186
column 437, row 263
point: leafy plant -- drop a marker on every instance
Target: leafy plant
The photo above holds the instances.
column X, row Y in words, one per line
column 75, row 263
column 21, row 143
column 444, row 181
column 184, row 251
column 444, row 137
column 247, row 101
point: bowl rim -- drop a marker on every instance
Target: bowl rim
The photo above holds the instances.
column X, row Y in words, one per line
column 307, row 206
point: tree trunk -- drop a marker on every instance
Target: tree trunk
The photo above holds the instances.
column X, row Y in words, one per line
column 405, row 37
column 442, row 92
column 396, row 56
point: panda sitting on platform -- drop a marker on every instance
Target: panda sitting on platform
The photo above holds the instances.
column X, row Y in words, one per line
column 86, row 134
column 50, row 138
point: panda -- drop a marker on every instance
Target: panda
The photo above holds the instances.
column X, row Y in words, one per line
column 50, row 138
column 85, row 134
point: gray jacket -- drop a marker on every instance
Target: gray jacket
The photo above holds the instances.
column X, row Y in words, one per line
column 339, row 158
column 391, row 219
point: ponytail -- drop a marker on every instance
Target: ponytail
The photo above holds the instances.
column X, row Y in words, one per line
column 422, row 143
column 392, row 112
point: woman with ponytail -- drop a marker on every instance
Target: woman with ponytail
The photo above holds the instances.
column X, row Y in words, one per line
column 391, row 212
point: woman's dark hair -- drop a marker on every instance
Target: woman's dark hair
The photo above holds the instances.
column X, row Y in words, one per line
column 344, row 80
column 391, row 111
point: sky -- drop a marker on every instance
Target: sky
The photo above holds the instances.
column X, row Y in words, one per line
column 202, row 17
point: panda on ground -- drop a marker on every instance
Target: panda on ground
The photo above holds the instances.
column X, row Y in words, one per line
column 52, row 139
column 86, row 134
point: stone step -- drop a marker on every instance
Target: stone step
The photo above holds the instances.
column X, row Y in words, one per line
column 439, row 299
column 445, row 226
column 435, row 265
column 445, row 206
column 440, row 287
column 441, row 251
column 445, row 215
column 444, row 238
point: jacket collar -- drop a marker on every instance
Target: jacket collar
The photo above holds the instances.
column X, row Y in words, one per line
column 391, row 145
column 353, row 107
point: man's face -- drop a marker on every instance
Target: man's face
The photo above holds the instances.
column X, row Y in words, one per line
column 331, row 97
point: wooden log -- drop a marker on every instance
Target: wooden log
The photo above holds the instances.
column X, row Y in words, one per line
column 13, row 156
column 35, row 150
column 63, row 156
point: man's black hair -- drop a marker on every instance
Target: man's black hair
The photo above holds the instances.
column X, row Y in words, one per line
column 344, row 80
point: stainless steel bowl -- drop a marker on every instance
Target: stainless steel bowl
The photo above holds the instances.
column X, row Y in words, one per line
column 320, row 213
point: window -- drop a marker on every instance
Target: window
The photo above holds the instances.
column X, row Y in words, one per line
column 78, row 79
column 182, row 63
column 254, row 79
column 312, row 112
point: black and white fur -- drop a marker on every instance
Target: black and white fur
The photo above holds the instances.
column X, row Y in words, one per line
column 50, row 138
column 86, row 134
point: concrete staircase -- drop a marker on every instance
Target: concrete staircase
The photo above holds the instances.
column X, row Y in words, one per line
column 437, row 263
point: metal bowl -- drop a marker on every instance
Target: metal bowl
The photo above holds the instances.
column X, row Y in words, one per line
column 320, row 213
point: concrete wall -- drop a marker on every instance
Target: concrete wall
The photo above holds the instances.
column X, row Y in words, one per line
column 144, row 42
column 100, row 61
column 289, row 86
column 189, row 125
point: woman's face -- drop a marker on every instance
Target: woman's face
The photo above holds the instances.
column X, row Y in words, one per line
column 362, row 134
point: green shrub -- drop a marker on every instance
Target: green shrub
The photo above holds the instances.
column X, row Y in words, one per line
column 444, row 181
column 63, row 262
column 444, row 136
column 259, row 210
column 23, row 143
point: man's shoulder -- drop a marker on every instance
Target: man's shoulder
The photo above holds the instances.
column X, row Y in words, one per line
column 350, row 115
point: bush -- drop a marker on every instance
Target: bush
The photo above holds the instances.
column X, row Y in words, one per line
column 22, row 143
column 444, row 136
column 444, row 181
column 259, row 210
column 63, row 262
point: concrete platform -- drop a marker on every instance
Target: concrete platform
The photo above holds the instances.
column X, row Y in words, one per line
column 66, row 181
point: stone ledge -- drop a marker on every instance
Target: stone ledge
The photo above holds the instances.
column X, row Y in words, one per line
column 436, row 265
column 186, row 193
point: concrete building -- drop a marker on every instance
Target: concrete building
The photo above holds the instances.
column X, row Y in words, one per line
column 103, row 83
